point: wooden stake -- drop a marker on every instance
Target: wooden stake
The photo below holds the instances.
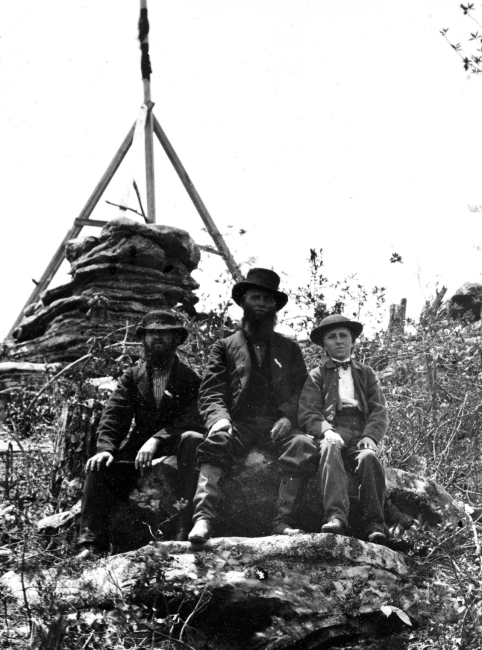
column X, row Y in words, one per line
column 196, row 199
column 149, row 144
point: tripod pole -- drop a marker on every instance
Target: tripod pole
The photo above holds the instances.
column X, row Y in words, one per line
column 146, row 80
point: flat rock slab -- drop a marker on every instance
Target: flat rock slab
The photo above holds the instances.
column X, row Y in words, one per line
column 295, row 588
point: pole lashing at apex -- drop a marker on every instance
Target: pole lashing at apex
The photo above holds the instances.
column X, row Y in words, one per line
column 146, row 69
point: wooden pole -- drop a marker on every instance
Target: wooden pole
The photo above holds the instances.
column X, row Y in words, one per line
column 149, row 143
column 196, row 199
column 81, row 221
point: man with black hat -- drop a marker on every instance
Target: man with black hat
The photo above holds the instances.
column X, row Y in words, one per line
column 161, row 396
column 343, row 408
column 249, row 395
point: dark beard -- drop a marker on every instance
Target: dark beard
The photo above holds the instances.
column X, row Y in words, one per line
column 259, row 327
column 162, row 360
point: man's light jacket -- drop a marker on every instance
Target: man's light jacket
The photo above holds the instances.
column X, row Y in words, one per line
column 318, row 400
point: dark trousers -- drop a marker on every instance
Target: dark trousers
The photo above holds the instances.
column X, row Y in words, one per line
column 297, row 452
column 335, row 463
column 106, row 487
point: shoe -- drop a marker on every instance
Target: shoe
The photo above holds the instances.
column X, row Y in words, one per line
column 91, row 552
column 377, row 537
column 292, row 531
column 290, row 495
column 334, row 526
column 201, row 532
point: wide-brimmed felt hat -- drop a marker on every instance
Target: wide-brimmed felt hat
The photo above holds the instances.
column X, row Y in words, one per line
column 260, row 279
column 162, row 319
column 330, row 322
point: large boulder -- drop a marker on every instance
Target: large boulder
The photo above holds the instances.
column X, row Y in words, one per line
column 132, row 268
column 248, row 500
column 467, row 300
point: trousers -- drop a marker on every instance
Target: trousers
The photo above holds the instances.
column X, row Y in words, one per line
column 296, row 452
column 363, row 464
column 104, row 488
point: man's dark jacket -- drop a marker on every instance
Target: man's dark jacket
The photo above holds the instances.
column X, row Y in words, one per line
column 228, row 372
column 134, row 398
column 317, row 411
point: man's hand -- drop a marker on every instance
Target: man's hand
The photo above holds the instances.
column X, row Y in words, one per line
column 146, row 453
column 367, row 443
column 280, row 429
column 221, row 425
column 334, row 438
column 96, row 462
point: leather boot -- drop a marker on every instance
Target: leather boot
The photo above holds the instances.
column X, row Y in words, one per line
column 188, row 490
column 291, row 493
column 185, row 520
column 205, row 502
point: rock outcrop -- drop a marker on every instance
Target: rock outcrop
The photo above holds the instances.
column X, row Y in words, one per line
column 130, row 269
column 270, row 592
column 248, row 499
column 21, row 374
column 467, row 300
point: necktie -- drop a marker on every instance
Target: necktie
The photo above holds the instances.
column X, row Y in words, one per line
column 341, row 364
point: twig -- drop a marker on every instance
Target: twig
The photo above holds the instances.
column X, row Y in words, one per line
column 71, row 365
column 199, row 606
column 139, row 199
column 54, row 378
column 123, row 207
column 88, row 640
column 476, row 540
column 24, row 591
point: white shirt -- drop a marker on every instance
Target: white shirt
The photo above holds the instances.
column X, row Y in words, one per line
column 346, row 387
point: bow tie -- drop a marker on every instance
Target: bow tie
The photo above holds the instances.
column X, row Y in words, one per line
column 341, row 364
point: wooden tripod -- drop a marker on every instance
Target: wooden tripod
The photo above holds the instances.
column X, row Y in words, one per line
column 152, row 125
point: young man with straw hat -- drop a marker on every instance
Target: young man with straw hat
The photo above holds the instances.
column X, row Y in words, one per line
column 342, row 406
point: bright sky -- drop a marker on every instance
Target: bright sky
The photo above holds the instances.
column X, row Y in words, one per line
column 349, row 126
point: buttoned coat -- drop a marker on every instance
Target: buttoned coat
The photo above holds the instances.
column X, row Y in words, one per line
column 228, row 372
column 318, row 400
column 134, row 399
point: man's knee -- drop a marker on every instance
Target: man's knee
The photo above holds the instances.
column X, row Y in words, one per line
column 299, row 441
column 329, row 451
column 368, row 459
column 191, row 438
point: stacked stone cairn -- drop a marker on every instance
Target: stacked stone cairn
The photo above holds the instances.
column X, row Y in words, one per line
column 129, row 270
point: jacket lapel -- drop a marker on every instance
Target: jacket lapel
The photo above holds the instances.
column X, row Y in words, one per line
column 278, row 360
column 242, row 359
column 357, row 370
column 143, row 383
column 172, row 386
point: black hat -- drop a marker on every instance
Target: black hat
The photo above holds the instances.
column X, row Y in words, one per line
column 260, row 279
column 330, row 322
column 162, row 319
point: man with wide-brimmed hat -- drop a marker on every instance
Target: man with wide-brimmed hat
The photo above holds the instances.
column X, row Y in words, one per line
column 160, row 394
column 343, row 408
column 249, row 396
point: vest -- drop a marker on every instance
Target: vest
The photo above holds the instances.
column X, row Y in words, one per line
column 259, row 399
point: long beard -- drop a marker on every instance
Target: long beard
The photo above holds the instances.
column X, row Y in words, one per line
column 159, row 358
column 259, row 327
